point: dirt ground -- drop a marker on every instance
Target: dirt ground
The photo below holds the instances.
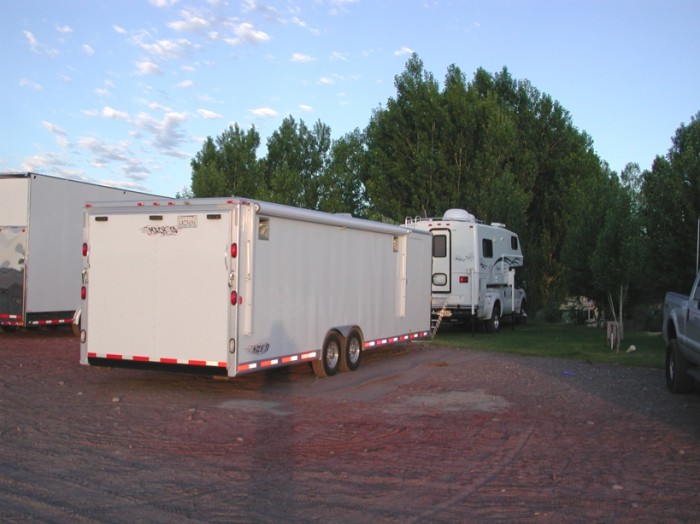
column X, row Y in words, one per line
column 420, row 433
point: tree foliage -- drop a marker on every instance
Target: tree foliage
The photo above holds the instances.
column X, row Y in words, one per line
column 508, row 153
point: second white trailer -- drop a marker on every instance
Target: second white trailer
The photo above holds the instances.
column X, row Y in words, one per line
column 238, row 286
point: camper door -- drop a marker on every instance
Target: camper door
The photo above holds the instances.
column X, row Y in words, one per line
column 442, row 257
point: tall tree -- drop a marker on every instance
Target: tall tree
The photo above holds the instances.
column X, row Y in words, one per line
column 405, row 167
column 296, row 158
column 670, row 208
column 228, row 165
column 340, row 185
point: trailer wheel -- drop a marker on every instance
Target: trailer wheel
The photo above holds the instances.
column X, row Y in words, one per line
column 328, row 364
column 677, row 378
column 494, row 323
column 352, row 351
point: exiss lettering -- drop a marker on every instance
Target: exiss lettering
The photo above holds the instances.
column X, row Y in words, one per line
column 160, row 230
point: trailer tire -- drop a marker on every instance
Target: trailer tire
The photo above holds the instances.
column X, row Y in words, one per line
column 677, row 378
column 352, row 351
column 329, row 363
column 494, row 323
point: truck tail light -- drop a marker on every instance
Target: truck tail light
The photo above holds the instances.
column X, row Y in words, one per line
column 464, row 280
column 85, row 249
column 83, row 293
column 234, row 250
column 234, row 298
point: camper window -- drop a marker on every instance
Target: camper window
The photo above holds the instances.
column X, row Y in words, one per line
column 264, row 229
column 440, row 246
column 487, row 248
column 514, row 242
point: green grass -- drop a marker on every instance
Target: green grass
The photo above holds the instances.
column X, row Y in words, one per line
column 560, row 341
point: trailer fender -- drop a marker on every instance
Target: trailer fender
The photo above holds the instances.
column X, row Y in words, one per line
column 75, row 324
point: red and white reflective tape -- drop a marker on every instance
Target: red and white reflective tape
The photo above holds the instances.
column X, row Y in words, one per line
column 280, row 361
column 55, row 321
column 14, row 317
column 399, row 338
column 161, row 360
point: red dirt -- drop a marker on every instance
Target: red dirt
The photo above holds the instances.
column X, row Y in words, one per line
column 419, row 433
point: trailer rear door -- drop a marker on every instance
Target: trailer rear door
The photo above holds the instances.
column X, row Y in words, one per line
column 158, row 286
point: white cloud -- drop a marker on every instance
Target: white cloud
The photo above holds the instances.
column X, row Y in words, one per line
column 167, row 134
column 109, row 112
column 88, row 50
column 38, row 48
column 191, row 21
column 64, row 29
column 299, row 57
column 146, row 67
column 163, row 3
column 403, row 51
column 185, row 84
column 30, row 84
column 327, row 80
column 101, row 91
column 61, row 137
column 306, row 108
column 246, row 33
column 166, row 48
column 205, row 113
column 265, row 112
column 337, row 55
column 119, row 29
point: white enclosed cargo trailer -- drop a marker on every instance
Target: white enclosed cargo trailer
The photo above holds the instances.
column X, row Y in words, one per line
column 474, row 264
column 234, row 286
column 41, row 221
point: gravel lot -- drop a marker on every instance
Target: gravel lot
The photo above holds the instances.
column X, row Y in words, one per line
column 420, row 433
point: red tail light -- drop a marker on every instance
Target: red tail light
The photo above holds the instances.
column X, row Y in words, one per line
column 85, row 249
column 83, row 292
column 234, row 250
column 234, row 298
column 464, row 280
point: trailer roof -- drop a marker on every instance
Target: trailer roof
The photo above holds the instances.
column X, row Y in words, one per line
column 262, row 208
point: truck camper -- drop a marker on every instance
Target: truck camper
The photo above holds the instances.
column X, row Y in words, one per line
column 473, row 269
column 232, row 286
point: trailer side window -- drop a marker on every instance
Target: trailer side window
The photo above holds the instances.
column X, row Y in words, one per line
column 440, row 246
column 264, row 229
column 487, row 248
column 514, row 242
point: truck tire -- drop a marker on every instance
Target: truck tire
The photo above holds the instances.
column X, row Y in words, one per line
column 329, row 363
column 352, row 351
column 677, row 378
column 494, row 323
column 522, row 314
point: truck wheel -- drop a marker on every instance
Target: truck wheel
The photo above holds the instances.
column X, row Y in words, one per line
column 494, row 323
column 328, row 364
column 352, row 351
column 677, row 378
column 522, row 314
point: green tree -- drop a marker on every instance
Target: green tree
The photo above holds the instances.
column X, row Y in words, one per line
column 296, row 158
column 670, row 209
column 340, row 185
column 404, row 164
column 228, row 165
column 615, row 262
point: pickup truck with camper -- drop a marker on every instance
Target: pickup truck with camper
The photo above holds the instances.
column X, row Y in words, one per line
column 473, row 270
column 232, row 286
column 681, row 332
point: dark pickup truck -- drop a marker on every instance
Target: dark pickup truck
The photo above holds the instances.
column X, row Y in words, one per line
column 682, row 336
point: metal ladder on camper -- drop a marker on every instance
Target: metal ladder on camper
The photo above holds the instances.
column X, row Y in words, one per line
column 436, row 320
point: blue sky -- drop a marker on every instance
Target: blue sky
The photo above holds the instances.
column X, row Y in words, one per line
column 124, row 92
